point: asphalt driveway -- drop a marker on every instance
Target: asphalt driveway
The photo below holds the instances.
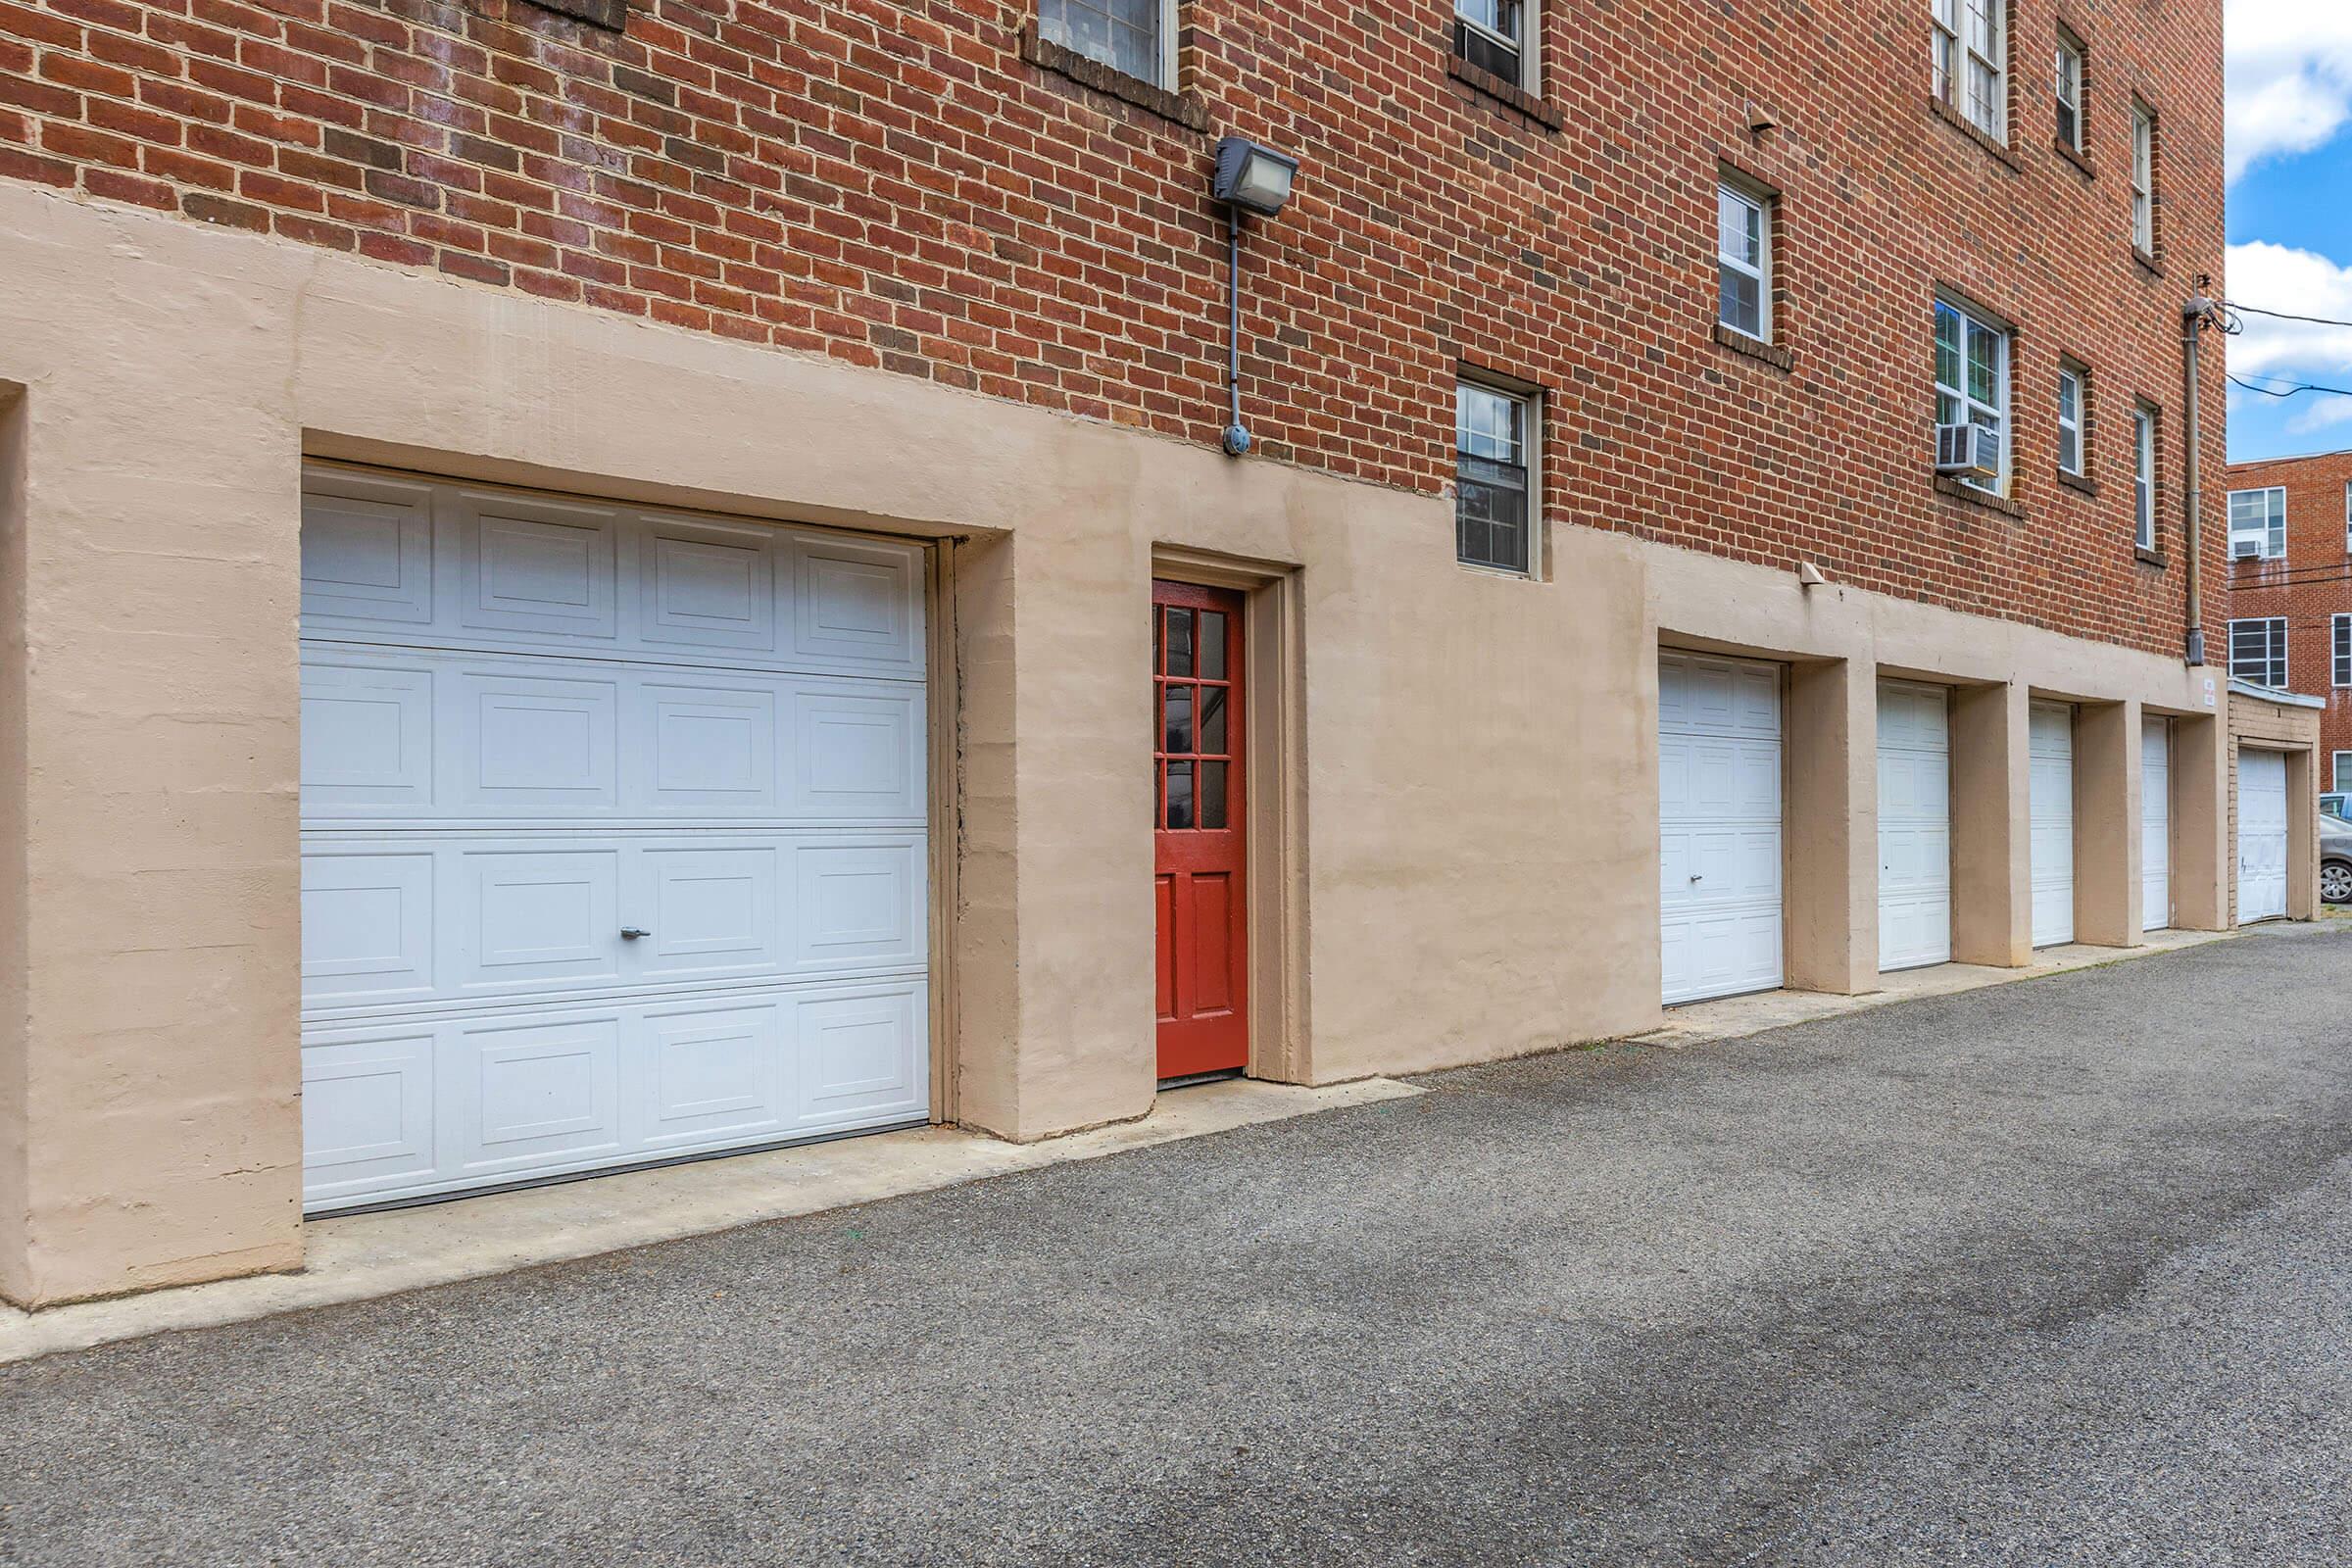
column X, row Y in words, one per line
column 2056, row 1272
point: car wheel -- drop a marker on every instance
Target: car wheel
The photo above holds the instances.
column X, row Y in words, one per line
column 2336, row 882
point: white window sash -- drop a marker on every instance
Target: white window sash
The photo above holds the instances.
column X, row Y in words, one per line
column 1970, row 324
column 2071, row 424
column 2143, row 463
column 2068, row 88
column 2271, row 653
column 1530, row 23
column 2341, row 627
column 2143, row 179
column 1761, row 270
column 2270, row 525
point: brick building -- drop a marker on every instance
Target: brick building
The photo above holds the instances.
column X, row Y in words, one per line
column 583, row 582
column 2291, row 589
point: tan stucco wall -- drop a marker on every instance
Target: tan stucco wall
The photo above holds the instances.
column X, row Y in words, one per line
column 1477, row 859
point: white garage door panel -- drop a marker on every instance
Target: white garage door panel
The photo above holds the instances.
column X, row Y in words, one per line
column 1719, row 827
column 1915, row 827
column 530, row 722
column 388, row 560
column 2156, row 825
column 451, row 738
column 452, row 917
column 2051, row 821
column 2261, row 836
column 465, row 1100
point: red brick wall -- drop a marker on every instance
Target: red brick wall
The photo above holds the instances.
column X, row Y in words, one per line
column 891, row 183
column 2310, row 587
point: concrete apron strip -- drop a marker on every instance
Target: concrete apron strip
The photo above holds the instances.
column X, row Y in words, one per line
column 1701, row 1022
column 365, row 1255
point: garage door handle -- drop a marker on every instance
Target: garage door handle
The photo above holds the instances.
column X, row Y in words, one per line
column 1698, row 877
column 630, row 933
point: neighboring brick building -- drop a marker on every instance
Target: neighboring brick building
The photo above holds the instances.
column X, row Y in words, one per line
column 2291, row 594
column 734, row 474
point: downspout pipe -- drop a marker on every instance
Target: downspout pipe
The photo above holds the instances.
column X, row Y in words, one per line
column 2195, row 317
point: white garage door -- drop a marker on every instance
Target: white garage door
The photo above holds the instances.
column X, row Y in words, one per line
column 1719, row 825
column 614, row 837
column 1915, row 827
column 2156, row 825
column 2261, row 836
column 2051, row 821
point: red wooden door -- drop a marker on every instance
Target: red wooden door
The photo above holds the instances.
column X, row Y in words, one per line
column 1196, row 775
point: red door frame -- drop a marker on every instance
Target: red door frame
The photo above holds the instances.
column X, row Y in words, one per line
column 1199, row 846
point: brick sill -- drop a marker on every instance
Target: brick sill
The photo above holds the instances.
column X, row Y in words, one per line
column 1509, row 94
column 2148, row 558
column 2075, row 156
column 1738, row 342
column 1952, row 489
column 1047, row 54
column 2076, row 481
column 2147, row 263
column 1968, row 127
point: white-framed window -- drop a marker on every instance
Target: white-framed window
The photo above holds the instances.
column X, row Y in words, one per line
column 1500, row 36
column 1497, row 496
column 1972, row 60
column 2340, row 764
column 2144, row 179
column 2340, row 639
column 2348, row 515
column 2073, row 419
column 2143, row 476
column 1133, row 37
column 1744, row 259
column 2257, row 524
column 1972, row 379
column 2258, row 650
column 2069, row 90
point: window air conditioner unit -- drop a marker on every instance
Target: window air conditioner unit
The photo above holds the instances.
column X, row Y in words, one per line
column 2245, row 549
column 1969, row 451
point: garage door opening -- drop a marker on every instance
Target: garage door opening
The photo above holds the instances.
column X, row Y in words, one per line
column 1915, row 827
column 2262, row 836
column 2050, row 760
column 616, row 840
column 1719, row 826
column 2156, row 825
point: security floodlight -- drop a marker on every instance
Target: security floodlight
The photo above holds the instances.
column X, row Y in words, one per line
column 1252, row 176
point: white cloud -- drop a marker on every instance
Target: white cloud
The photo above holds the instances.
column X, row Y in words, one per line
column 2307, row 283
column 2289, row 76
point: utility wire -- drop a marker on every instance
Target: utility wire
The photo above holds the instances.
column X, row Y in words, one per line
column 2300, row 386
column 2286, row 315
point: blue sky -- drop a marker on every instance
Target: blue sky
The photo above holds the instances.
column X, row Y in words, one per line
column 2290, row 219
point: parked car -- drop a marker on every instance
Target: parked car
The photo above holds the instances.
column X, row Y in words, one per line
column 2335, row 856
column 2333, row 804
